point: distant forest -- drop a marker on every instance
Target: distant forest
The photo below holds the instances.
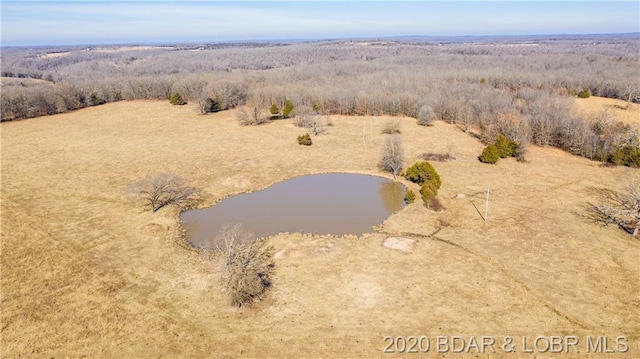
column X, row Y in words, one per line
column 521, row 88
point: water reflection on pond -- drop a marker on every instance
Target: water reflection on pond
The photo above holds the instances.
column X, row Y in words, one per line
column 336, row 203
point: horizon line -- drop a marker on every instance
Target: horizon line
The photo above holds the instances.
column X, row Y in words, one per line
column 320, row 39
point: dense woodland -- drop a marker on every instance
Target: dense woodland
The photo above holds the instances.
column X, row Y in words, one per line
column 521, row 88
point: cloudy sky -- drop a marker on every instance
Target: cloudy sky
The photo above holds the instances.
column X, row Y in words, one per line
column 117, row 22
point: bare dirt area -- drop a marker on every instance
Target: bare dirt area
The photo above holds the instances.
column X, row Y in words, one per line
column 88, row 271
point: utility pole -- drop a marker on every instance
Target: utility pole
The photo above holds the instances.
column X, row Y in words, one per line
column 486, row 206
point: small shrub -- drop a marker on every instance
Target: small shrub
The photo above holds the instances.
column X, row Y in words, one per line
column 422, row 172
column 211, row 105
column 506, row 147
column 274, row 110
column 305, row 140
column 248, row 264
column 426, row 116
column 429, row 191
column 584, row 94
column 287, row 109
column 391, row 127
column 409, row 196
column 489, row 154
column 176, row 99
column 626, row 156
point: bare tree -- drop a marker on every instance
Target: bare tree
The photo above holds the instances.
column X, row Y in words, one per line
column 307, row 118
column 248, row 264
column 630, row 94
column 392, row 155
column 619, row 208
column 426, row 116
column 251, row 116
column 162, row 190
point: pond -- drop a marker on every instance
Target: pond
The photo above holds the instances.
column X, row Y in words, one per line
column 336, row 203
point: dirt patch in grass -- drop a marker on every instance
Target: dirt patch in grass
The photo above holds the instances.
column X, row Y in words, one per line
column 87, row 271
column 401, row 244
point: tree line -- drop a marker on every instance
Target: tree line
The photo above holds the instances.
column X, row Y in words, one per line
column 523, row 91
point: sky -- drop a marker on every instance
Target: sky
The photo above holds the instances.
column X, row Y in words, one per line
column 32, row 23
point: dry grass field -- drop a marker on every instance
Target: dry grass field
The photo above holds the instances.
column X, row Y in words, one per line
column 87, row 271
column 594, row 107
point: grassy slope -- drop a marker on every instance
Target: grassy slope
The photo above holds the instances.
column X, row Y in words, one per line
column 84, row 272
column 593, row 107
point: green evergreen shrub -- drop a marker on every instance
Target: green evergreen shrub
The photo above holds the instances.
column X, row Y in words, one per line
column 584, row 94
column 409, row 196
column 287, row 109
column 274, row 109
column 305, row 140
column 176, row 99
column 506, row 147
column 422, row 172
column 428, row 190
column 212, row 105
column 626, row 156
column 489, row 154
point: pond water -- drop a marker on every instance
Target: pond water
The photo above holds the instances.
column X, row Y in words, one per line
column 336, row 203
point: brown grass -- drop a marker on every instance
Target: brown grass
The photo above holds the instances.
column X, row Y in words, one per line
column 87, row 271
column 593, row 107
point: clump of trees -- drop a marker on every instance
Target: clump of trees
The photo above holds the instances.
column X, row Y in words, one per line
column 424, row 174
column 392, row 155
column 247, row 265
column 162, row 190
column 503, row 147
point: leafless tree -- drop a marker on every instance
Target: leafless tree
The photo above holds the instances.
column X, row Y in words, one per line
column 251, row 116
column 426, row 116
column 164, row 189
column 618, row 208
column 631, row 93
column 247, row 264
column 306, row 117
column 392, row 154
